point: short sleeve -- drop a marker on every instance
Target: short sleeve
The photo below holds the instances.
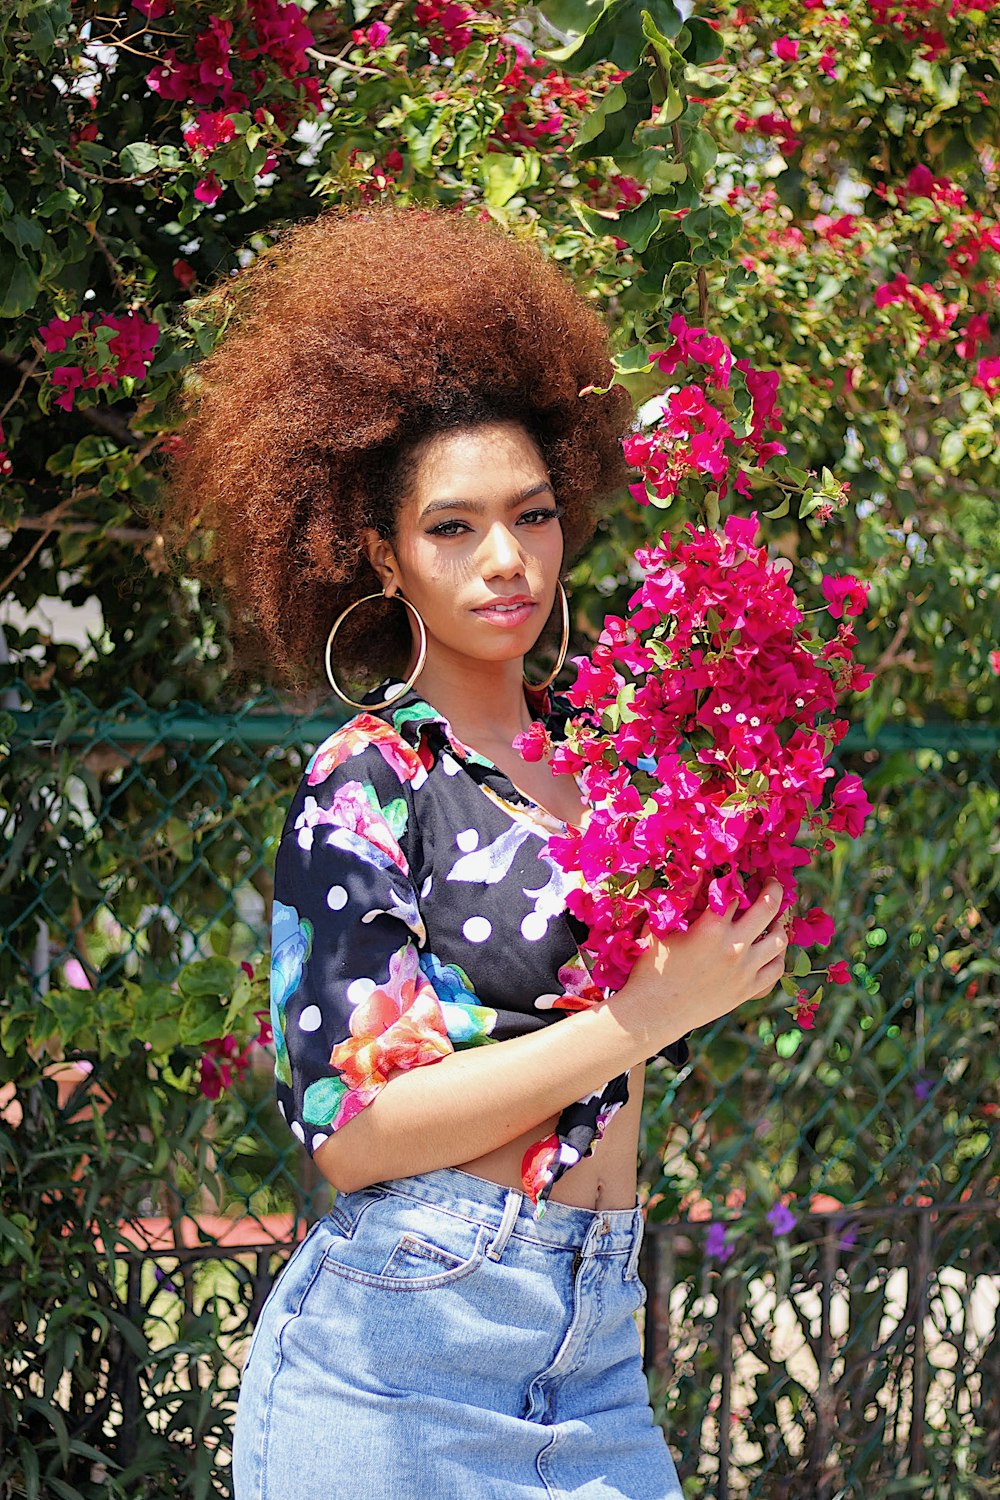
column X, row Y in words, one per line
column 350, row 1004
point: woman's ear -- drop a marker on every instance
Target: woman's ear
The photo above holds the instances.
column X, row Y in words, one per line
column 382, row 558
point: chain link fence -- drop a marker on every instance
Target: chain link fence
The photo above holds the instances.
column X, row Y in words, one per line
column 822, row 1252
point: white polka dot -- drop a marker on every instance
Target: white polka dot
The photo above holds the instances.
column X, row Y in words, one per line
column 477, row 929
column 311, row 1018
column 467, row 839
column 450, row 764
column 359, row 989
column 318, row 1140
column 281, row 1107
column 336, row 897
column 298, row 1131
column 425, row 889
column 534, row 925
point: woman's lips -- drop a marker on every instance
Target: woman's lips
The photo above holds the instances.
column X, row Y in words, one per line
column 508, row 617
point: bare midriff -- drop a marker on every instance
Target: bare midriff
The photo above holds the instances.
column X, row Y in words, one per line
column 608, row 1179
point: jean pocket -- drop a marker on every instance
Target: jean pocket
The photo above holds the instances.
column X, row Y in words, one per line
column 404, row 1248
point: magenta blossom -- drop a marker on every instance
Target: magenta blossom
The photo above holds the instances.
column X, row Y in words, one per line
column 844, row 592
column 696, row 798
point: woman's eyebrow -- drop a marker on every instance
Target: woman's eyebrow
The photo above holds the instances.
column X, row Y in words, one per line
column 477, row 507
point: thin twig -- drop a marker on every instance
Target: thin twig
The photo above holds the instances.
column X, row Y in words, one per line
column 114, row 533
column 71, row 166
column 37, row 545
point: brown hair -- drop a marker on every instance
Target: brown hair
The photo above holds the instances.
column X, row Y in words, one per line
column 345, row 342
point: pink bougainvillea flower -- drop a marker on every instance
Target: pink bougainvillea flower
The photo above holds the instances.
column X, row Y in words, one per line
column 786, row 49
column 135, row 339
column 850, row 806
column 815, row 927
column 994, row 660
column 987, row 377
column 71, row 377
column 211, row 128
column 374, row 35
column 56, row 334
column 844, row 592
column 805, row 1014
column 533, row 742
column 208, row 190
column 839, row 973
column 976, row 332
column 694, row 797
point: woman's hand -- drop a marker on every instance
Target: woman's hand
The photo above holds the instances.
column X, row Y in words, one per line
column 688, row 979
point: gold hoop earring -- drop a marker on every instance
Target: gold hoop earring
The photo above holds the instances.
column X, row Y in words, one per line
column 421, row 654
column 564, row 643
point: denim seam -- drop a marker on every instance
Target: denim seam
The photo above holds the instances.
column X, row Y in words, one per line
column 265, row 1426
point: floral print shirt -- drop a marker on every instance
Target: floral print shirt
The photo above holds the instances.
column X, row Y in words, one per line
column 417, row 912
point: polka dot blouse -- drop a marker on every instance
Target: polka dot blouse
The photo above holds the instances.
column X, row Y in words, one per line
column 417, row 912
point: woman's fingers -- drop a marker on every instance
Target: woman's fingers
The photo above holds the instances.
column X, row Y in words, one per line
column 761, row 914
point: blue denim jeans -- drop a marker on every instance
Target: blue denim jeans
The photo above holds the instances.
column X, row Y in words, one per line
column 428, row 1340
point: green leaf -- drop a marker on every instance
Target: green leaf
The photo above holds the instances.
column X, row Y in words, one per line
column 952, row 449
column 207, row 976
column 615, row 35
column 13, row 1235
column 138, row 158
column 19, row 287
column 504, row 175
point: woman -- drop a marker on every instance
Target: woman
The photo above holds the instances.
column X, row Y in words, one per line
column 393, row 455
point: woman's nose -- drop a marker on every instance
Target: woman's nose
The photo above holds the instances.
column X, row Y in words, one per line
column 501, row 550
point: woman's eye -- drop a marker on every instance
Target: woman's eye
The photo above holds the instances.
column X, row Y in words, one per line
column 538, row 514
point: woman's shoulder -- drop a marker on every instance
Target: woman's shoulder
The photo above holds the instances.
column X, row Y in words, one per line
column 364, row 764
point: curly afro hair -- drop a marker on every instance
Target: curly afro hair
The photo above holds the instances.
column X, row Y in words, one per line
column 345, row 342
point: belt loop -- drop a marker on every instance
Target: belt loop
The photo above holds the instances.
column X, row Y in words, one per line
column 511, row 1208
column 638, row 1231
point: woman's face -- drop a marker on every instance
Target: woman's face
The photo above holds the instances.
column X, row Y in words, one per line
column 479, row 529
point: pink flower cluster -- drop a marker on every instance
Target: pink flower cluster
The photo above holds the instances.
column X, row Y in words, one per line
column 280, row 35
column 694, row 436
column 224, row 1060
column 445, row 24
column 700, row 747
column 536, row 96
column 906, row 18
column 132, row 346
column 769, row 123
column 926, row 301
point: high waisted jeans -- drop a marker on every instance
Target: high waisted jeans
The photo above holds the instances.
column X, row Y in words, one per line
column 428, row 1340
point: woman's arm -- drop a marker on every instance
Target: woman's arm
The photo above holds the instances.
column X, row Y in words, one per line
column 472, row 1102
column 469, row 1103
